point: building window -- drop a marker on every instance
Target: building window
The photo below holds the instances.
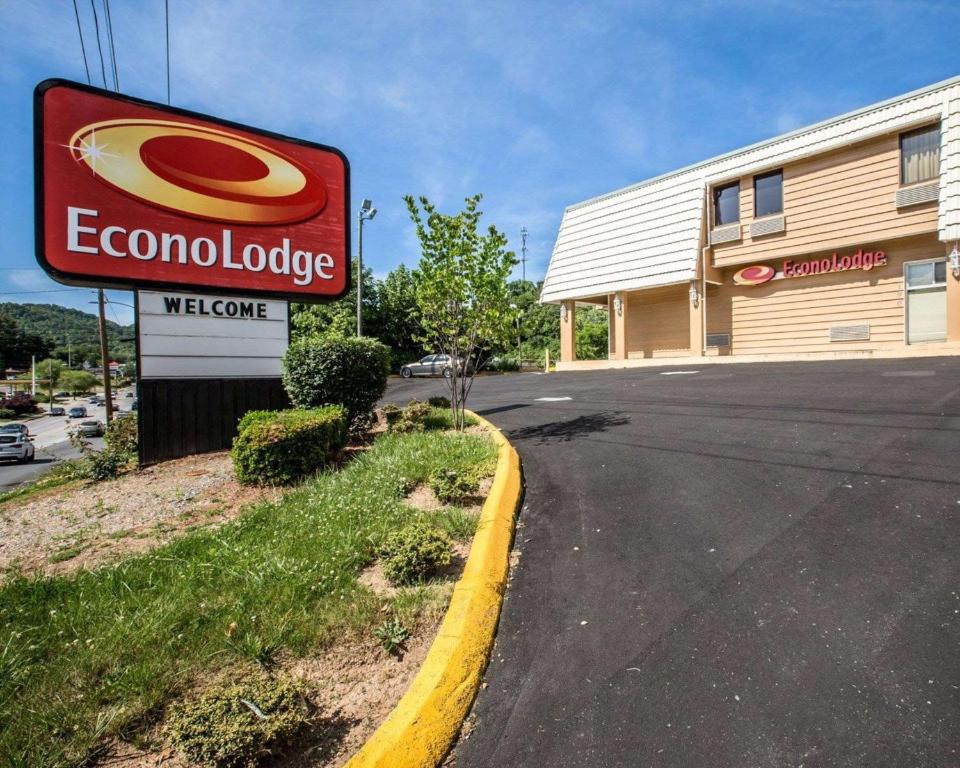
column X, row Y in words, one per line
column 726, row 204
column 920, row 155
column 768, row 193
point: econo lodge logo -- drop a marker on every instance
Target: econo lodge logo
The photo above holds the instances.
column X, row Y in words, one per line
column 753, row 275
column 200, row 172
column 140, row 195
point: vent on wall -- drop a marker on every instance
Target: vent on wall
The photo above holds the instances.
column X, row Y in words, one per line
column 726, row 234
column 924, row 193
column 718, row 339
column 768, row 226
column 850, row 332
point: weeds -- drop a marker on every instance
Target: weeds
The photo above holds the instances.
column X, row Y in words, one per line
column 392, row 635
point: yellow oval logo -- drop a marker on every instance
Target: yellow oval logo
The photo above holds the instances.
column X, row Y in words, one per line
column 201, row 172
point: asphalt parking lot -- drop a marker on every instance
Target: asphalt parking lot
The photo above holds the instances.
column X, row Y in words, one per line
column 749, row 565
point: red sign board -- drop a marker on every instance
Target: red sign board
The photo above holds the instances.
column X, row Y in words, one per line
column 139, row 195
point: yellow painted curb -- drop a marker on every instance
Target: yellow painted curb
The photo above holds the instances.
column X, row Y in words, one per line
column 422, row 727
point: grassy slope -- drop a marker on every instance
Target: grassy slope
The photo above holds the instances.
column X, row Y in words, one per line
column 102, row 652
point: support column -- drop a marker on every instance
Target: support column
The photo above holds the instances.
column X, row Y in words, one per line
column 953, row 300
column 697, row 310
column 568, row 331
column 619, row 308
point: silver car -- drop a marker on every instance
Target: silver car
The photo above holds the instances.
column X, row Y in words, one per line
column 431, row 365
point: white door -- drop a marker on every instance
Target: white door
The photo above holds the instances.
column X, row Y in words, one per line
column 926, row 289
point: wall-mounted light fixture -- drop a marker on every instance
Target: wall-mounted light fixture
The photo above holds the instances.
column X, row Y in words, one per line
column 563, row 312
column 955, row 261
column 618, row 305
column 694, row 296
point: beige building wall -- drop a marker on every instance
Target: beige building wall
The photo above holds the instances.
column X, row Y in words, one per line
column 657, row 322
column 796, row 314
column 836, row 200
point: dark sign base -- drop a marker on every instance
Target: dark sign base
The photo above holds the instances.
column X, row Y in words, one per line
column 181, row 417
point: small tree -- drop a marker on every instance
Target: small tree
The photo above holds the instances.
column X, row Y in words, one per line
column 77, row 382
column 461, row 291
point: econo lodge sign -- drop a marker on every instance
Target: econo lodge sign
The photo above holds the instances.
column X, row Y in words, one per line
column 138, row 195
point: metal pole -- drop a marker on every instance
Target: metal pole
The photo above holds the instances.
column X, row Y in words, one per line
column 360, row 274
column 104, row 356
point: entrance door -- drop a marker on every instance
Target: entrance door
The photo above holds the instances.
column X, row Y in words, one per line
column 926, row 284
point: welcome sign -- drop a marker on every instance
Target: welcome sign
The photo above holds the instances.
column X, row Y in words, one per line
column 134, row 194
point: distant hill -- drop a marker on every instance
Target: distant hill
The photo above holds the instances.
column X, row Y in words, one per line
column 71, row 331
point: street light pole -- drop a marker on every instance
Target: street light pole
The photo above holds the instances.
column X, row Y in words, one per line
column 367, row 212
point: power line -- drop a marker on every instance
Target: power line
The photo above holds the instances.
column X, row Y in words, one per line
column 96, row 24
column 113, row 50
column 52, row 290
column 83, row 48
column 166, row 17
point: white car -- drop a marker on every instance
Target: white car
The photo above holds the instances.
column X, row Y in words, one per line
column 16, row 446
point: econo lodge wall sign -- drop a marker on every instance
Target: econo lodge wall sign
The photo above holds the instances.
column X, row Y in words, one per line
column 139, row 195
column 862, row 260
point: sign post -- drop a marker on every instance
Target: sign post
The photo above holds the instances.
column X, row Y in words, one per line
column 190, row 212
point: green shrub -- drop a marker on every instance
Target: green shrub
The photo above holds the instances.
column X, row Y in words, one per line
column 439, row 401
column 238, row 724
column 502, row 364
column 415, row 553
column 410, row 419
column 351, row 372
column 391, row 413
column 7, row 413
column 121, row 435
column 453, row 487
column 106, row 464
column 392, row 635
column 279, row 447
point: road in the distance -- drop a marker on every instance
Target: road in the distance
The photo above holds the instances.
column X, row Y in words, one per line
column 51, row 440
column 751, row 565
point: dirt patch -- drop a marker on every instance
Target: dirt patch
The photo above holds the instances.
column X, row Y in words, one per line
column 422, row 497
column 83, row 526
column 354, row 686
column 373, row 578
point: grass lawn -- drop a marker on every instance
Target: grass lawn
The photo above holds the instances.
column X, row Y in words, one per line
column 101, row 653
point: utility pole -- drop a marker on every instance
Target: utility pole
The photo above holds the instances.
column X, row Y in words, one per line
column 523, row 254
column 104, row 356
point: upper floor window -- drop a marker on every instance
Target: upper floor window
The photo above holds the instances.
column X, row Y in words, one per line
column 768, row 193
column 726, row 204
column 920, row 155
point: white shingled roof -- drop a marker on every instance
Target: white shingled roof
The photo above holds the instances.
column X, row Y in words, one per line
column 648, row 234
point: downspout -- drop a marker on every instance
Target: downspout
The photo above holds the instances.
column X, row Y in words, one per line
column 703, row 283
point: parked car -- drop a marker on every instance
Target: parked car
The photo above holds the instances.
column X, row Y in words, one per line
column 62, row 394
column 57, row 411
column 93, row 399
column 90, row 428
column 431, row 365
column 129, row 394
column 16, row 446
column 77, row 412
column 15, row 427
column 134, row 406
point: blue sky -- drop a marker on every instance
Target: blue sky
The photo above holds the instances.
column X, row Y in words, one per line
column 536, row 104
